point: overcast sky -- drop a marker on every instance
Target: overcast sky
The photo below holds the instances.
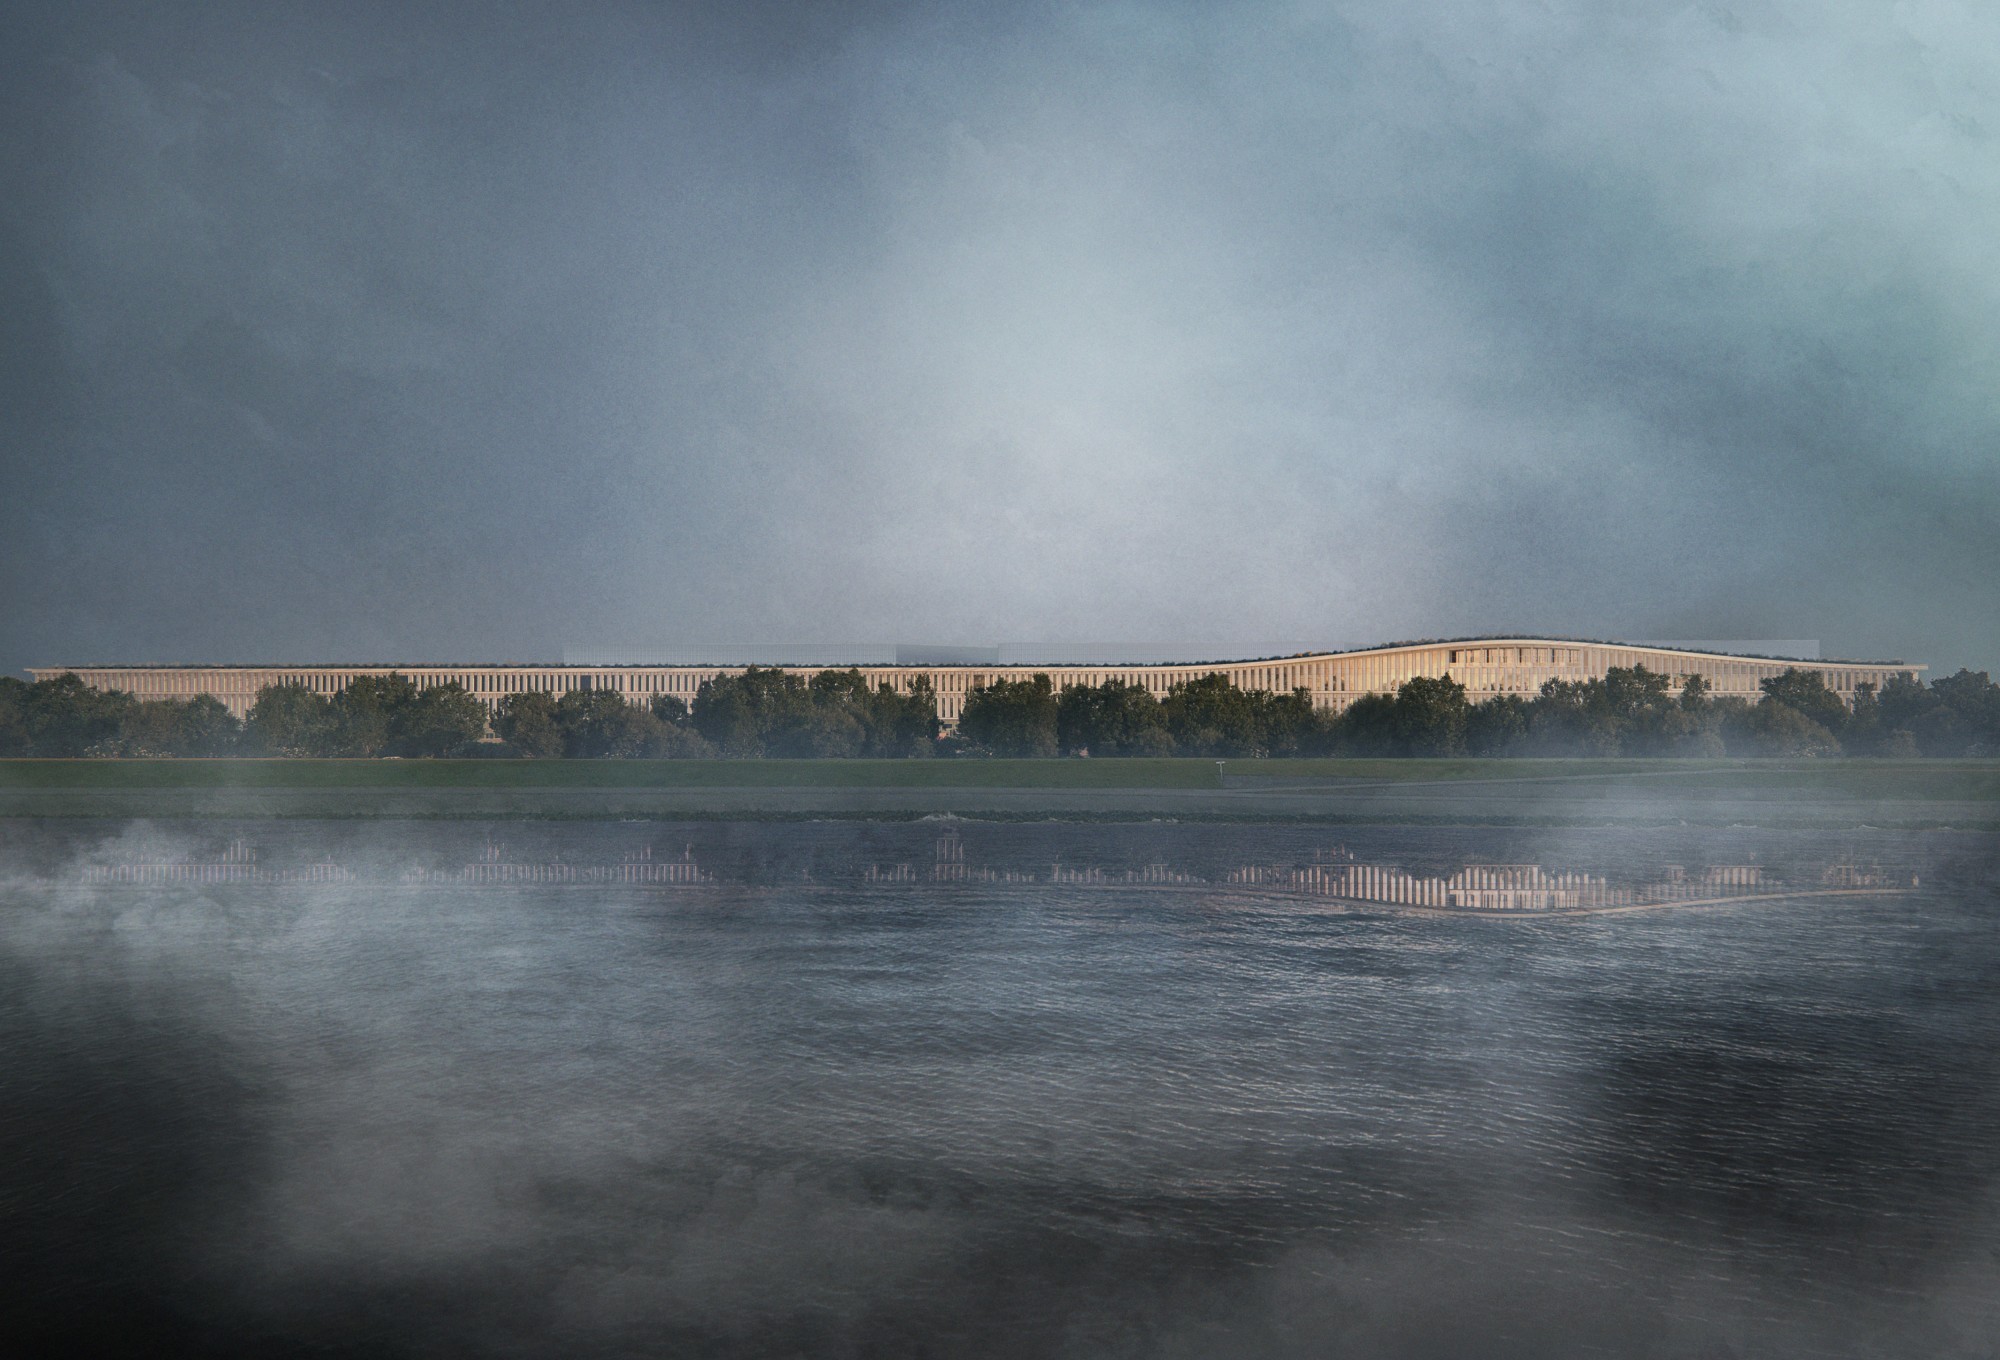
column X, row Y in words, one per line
column 407, row 331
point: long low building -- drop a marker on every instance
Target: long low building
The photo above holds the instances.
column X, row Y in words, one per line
column 1487, row 667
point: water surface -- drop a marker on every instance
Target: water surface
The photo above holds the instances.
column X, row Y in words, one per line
column 794, row 1101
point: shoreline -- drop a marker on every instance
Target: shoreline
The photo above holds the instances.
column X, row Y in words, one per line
column 1779, row 795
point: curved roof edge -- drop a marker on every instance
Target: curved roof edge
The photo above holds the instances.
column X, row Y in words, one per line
column 1537, row 639
column 1528, row 639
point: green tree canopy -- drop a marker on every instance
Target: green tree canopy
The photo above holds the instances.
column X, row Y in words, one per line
column 1805, row 692
column 1774, row 728
column 442, row 720
column 368, row 714
column 1012, row 717
column 527, row 722
column 290, row 720
column 374, row 715
column 1431, row 716
column 1111, row 719
column 65, row 717
column 769, row 711
column 1966, row 719
column 1498, row 727
column 14, row 738
column 764, row 711
column 198, row 726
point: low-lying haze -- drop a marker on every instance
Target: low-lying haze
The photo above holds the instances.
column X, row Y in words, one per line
column 388, row 331
column 791, row 1110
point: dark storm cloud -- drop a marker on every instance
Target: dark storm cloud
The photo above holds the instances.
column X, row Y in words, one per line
column 474, row 331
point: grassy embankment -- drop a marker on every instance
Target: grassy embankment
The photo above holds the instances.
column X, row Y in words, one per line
column 1828, row 794
column 1924, row 779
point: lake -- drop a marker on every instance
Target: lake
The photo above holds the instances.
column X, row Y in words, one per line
column 949, row 1088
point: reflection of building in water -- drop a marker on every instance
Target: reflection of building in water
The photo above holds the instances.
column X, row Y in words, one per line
column 1717, row 876
column 947, row 866
column 494, row 867
column 1261, row 876
column 237, row 864
column 1071, row 877
column 1524, row 887
column 1850, row 875
column 1503, row 887
column 1161, row 875
column 641, row 867
column 1483, row 888
column 1477, row 887
column 1337, row 874
column 1716, row 880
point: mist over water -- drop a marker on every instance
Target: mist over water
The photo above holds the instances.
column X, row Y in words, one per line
column 790, row 1109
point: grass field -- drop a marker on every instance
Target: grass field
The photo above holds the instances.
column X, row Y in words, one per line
column 1964, row 780
column 605, row 774
column 1920, row 780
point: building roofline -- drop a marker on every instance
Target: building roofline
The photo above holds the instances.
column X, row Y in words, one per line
column 1404, row 646
column 1537, row 639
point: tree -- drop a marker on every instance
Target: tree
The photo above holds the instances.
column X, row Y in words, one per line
column 1289, row 724
column 1012, row 717
column 1805, row 692
column 1111, row 719
column 1209, row 716
column 373, row 715
column 596, row 724
column 593, row 721
column 1633, row 692
column 838, row 717
column 203, row 726
column 1643, row 710
column 772, row 712
column 1771, row 728
column 903, row 724
column 369, row 713
column 1966, row 720
column 1574, row 717
column 1901, row 707
column 763, row 711
column 527, row 722
column 150, row 728
column 672, row 741
column 1498, row 727
column 1368, row 727
column 1431, row 716
column 290, row 720
column 1898, row 745
column 1695, row 734
column 443, row 720
column 14, row 740
column 1863, row 735
column 1903, row 702
column 65, row 717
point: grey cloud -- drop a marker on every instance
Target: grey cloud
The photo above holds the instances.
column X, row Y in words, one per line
column 474, row 332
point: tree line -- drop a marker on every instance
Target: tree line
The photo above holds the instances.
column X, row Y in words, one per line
column 770, row 712
column 763, row 712
column 1630, row 712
